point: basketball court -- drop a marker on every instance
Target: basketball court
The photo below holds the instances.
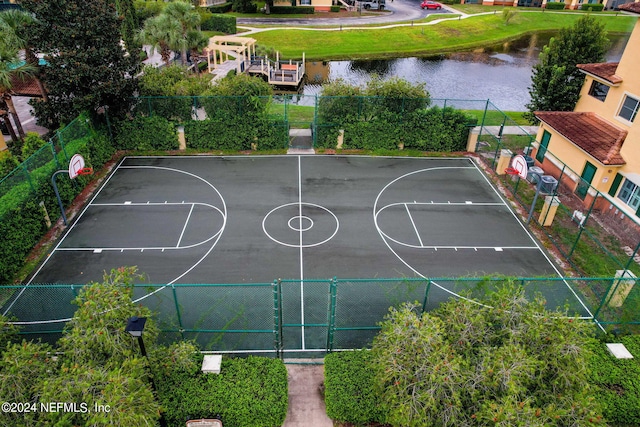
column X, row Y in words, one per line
column 256, row 219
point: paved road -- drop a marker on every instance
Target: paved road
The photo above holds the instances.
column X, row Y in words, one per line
column 397, row 11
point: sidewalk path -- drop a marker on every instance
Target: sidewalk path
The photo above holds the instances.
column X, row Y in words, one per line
column 306, row 404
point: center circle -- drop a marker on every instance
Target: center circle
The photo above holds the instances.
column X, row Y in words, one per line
column 300, row 225
column 295, row 223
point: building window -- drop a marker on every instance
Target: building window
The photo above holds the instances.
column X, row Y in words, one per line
column 629, row 108
column 305, row 2
column 542, row 149
column 630, row 194
column 598, row 90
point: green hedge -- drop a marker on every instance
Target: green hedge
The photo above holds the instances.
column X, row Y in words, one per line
column 222, row 23
column 555, row 5
column 147, row 133
column 335, row 9
column 592, row 7
column 292, row 10
column 220, row 8
column 235, row 134
column 247, row 392
column 618, row 382
column 349, row 395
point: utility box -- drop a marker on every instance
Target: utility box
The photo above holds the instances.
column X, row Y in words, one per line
column 503, row 161
column 204, row 423
column 621, row 288
column 534, row 173
column 548, row 184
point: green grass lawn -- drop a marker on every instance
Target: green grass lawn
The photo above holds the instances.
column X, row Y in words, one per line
column 422, row 40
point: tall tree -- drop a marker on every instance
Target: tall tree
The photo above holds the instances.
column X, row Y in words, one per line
column 12, row 67
column 556, row 81
column 87, row 67
column 159, row 31
column 189, row 21
column 18, row 21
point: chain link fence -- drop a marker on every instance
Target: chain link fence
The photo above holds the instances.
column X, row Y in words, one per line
column 315, row 315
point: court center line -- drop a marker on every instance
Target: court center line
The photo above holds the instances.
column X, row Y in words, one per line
column 414, row 225
column 185, row 225
column 301, row 257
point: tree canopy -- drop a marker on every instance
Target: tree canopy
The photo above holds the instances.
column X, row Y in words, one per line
column 87, row 66
column 505, row 362
column 556, row 81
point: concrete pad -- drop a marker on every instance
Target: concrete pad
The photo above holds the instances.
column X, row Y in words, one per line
column 306, row 404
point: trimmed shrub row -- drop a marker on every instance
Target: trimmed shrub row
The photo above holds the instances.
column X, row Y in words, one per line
column 217, row 22
column 247, row 392
column 220, row 8
column 292, row 10
column 147, row 133
column 555, row 5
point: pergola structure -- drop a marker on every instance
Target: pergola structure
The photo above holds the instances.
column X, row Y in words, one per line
column 242, row 47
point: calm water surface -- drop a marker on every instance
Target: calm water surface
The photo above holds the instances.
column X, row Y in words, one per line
column 501, row 73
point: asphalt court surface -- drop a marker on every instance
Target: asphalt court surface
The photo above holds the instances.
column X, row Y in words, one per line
column 235, row 220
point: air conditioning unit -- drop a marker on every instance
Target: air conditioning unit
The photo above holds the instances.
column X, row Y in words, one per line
column 548, row 184
column 534, row 173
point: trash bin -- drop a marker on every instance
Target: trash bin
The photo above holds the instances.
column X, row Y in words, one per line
column 548, row 184
column 534, row 173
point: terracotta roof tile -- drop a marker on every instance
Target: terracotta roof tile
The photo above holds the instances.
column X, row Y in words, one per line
column 604, row 70
column 26, row 87
column 590, row 132
column 630, row 7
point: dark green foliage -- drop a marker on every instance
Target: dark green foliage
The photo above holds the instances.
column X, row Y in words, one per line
column 618, row 382
column 217, row 22
column 292, row 10
column 244, row 6
column 8, row 162
column 349, row 393
column 335, row 9
column 162, row 93
column 147, row 133
column 220, row 8
column 592, row 7
column 219, row 134
column 32, row 143
column 555, row 5
column 556, row 81
column 87, row 67
column 130, row 24
column 8, row 332
column 99, row 150
column 437, row 129
column 147, row 9
column 247, row 392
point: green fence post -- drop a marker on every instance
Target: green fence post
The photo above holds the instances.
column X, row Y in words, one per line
column 53, row 154
column 333, row 288
column 426, row 295
column 586, row 218
column 277, row 317
column 175, row 300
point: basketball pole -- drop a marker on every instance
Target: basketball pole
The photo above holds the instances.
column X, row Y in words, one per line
column 55, row 188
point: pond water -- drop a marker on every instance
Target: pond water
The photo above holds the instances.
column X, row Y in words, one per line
column 501, row 73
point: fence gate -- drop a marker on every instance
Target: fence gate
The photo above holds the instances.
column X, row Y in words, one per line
column 301, row 135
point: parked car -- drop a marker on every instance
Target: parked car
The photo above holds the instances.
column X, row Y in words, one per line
column 428, row 4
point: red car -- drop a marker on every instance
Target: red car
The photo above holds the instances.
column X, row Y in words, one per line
column 428, row 4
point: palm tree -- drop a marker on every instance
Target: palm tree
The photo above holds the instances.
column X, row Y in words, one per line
column 159, row 32
column 188, row 19
column 15, row 23
column 12, row 67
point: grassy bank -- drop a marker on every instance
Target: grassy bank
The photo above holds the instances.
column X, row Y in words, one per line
column 423, row 40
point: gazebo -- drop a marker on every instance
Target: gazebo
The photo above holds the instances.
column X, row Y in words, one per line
column 242, row 48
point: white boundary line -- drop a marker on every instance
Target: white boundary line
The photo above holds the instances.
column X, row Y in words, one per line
column 414, row 225
column 301, row 248
column 535, row 242
column 217, row 239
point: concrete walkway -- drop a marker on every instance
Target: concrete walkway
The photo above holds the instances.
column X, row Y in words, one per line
column 306, row 404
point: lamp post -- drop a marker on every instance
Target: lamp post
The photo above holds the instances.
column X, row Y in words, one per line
column 135, row 326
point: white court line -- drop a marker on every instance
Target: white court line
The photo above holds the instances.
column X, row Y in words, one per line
column 536, row 243
column 414, row 225
column 185, row 225
column 301, row 247
column 62, row 239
